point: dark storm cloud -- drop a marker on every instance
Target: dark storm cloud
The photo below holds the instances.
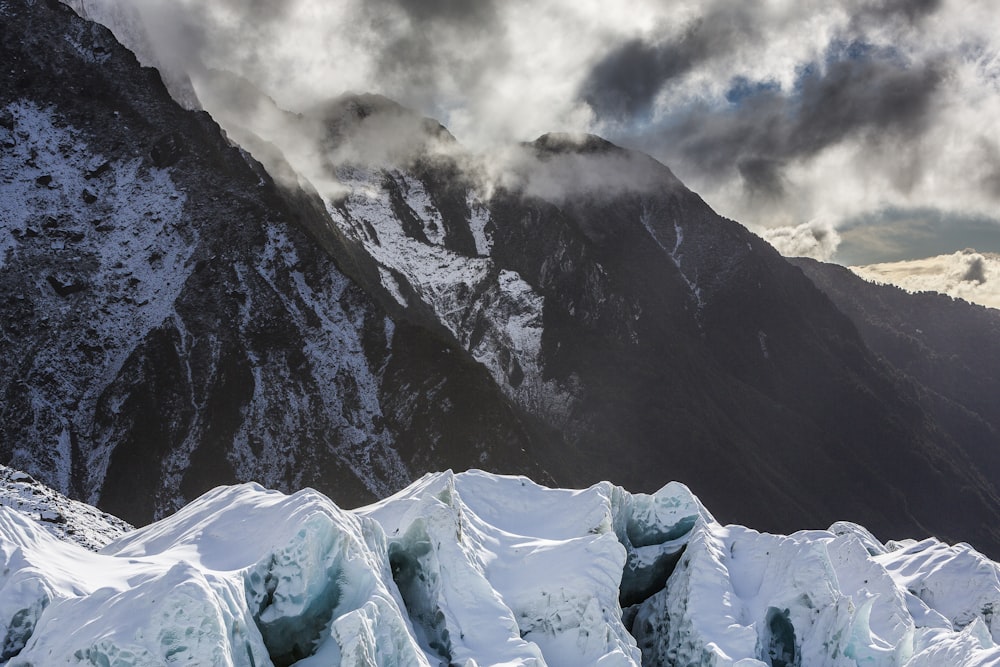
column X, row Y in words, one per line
column 911, row 10
column 627, row 80
column 976, row 271
column 762, row 176
column 186, row 39
column 479, row 14
column 425, row 47
column 863, row 94
column 880, row 101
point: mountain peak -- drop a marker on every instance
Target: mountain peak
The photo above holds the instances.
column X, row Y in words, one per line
column 573, row 142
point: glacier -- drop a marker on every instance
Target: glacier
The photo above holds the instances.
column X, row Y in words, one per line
column 480, row 569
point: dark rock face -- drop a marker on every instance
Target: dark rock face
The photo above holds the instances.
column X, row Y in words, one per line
column 168, row 325
column 699, row 351
column 946, row 348
column 582, row 315
column 655, row 340
column 950, row 346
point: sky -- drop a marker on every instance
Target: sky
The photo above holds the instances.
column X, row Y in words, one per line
column 855, row 131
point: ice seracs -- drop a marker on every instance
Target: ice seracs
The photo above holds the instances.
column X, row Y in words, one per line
column 478, row 569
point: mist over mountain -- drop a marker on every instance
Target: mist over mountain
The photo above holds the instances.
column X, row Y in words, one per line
column 169, row 324
column 874, row 119
column 359, row 299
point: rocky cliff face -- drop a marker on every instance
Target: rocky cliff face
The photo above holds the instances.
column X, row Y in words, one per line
column 175, row 319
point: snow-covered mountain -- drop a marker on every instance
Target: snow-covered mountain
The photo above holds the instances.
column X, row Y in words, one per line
column 168, row 324
column 369, row 301
column 645, row 331
column 479, row 569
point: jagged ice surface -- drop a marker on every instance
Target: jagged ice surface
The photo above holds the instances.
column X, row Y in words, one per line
column 480, row 569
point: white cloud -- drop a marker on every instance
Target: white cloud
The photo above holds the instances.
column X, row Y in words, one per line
column 817, row 239
column 967, row 274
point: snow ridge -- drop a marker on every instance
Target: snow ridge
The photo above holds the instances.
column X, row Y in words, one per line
column 480, row 569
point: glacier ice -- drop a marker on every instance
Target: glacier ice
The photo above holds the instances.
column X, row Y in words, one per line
column 479, row 569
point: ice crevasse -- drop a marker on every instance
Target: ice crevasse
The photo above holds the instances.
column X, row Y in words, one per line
column 480, row 569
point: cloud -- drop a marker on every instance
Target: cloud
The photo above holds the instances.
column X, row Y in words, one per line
column 966, row 274
column 429, row 52
column 874, row 100
column 558, row 166
column 910, row 10
column 760, row 151
column 624, row 83
column 818, row 239
column 776, row 112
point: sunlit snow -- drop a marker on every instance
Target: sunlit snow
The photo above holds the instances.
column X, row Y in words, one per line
column 480, row 569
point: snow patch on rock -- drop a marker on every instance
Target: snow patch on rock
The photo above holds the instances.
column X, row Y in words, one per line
column 66, row 519
column 493, row 313
column 478, row 222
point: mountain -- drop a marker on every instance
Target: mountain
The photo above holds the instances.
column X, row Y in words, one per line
column 651, row 335
column 167, row 323
column 480, row 569
column 359, row 299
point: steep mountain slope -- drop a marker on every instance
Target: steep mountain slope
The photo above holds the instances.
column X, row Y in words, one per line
column 950, row 347
column 167, row 325
column 655, row 337
column 479, row 569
